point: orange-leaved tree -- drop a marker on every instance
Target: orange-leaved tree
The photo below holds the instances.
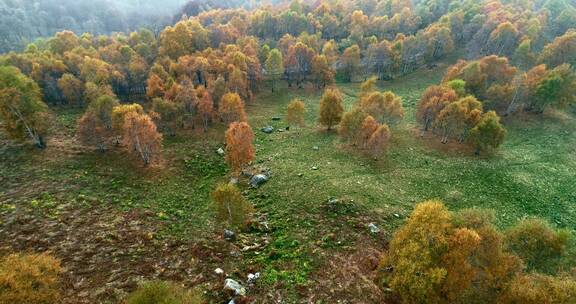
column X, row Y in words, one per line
column 378, row 141
column 239, row 148
column 205, row 108
column 368, row 127
column 141, row 137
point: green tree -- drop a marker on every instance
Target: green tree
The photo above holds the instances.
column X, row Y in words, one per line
column 556, row 88
column 488, row 134
column 537, row 243
column 22, row 111
column 231, row 206
column 274, row 66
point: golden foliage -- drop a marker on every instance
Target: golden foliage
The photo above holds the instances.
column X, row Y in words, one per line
column 295, row 112
column 231, row 206
column 331, row 108
column 29, row 278
column 231, row 108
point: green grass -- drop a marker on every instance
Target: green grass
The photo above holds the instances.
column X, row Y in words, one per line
column 533, row 174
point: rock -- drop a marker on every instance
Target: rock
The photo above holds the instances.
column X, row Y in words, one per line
column 265, row 225
column 219, row 271
column 234, row 286
column 280, row 130
column 229, row 235
column 300, row 174
column 314, row 168
column 276, row 118
column 267, row 129
column 220, row 151
column 252, row 277
column 258, row 180
column 288, row 128
column 233, row 180
column 315, row 148
column 397, row 215
column 373, row 228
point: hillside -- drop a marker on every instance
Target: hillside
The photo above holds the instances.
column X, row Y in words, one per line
column 302, row 152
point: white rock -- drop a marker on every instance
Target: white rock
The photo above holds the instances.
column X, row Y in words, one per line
column 238, row 289
column 220, row 151
column 252, row 277
column 373, row 228
column 218, row 271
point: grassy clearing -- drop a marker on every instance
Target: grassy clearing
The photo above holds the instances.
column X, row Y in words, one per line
column 532, row 175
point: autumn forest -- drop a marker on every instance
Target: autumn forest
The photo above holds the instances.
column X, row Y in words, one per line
column 304, row 151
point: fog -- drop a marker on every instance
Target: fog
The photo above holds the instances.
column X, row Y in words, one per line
column 22, row 21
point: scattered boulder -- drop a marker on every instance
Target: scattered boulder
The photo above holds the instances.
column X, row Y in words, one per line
column 234, row 181
column 288, row 128
column 397, row 215
column 220, row 151
column 300, row 174
column 315, row 148
column 276, row 118
column 229, row 235
column 373, row 228
column 219, row 271
column 234, row 286
column 258, row 180
column 252, row 277
column 314, row 168
column 280, row 130
column 267, row 129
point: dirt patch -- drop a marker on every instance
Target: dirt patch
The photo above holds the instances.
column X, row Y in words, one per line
column 107, row 252
column 452, row 147
column 349, row 277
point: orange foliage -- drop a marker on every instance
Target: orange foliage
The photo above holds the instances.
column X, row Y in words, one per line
column 154, row 86
column 378, row 141
column 239, row 148
column 369, row 126
column 141, row 137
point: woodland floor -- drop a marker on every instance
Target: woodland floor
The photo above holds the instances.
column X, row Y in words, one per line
column 114, row 223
